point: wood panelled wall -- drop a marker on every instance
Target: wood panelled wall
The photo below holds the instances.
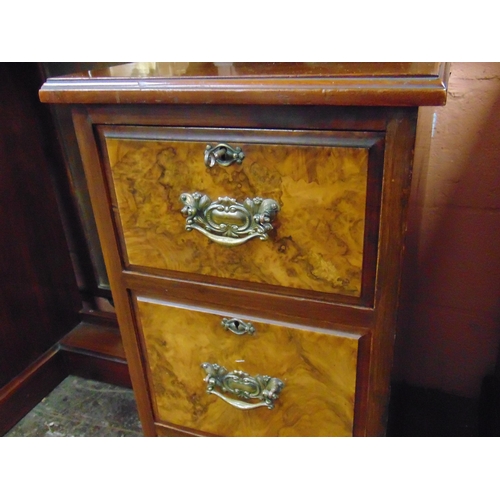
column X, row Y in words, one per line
column 49, row 327
column 39, row 298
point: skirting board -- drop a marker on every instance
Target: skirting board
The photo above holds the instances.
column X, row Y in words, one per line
column 26, row 390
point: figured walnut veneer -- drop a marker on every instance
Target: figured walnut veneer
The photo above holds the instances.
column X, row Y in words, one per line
column 318, row 369
column 318, row 236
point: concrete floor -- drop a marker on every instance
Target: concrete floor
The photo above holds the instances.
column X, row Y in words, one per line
column 86, row 408
column 82, row 408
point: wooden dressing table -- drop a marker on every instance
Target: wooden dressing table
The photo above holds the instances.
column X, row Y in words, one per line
column 252, row 221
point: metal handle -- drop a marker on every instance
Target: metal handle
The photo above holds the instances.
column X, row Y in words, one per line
column 262, row 387
column 226, row 221
column 222, row 154
column 238, row 326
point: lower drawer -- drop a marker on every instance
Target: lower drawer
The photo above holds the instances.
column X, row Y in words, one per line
column 216, row 374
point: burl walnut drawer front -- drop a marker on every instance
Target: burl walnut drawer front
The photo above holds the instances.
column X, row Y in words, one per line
column 228, row 376
column 286, row 209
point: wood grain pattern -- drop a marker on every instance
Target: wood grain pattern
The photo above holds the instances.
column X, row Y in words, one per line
column 397, row 181
column 39, row 298
column 338, row 118
column 318, row 369
column 366, row 84
column 98, row 195
column 168, row 430
column 322, row 314
column 317, row 243
column 336, row 384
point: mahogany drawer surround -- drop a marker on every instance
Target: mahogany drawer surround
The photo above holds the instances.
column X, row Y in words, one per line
column 252, row 227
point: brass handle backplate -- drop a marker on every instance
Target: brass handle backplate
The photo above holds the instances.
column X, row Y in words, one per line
column 261, row 387
column 222, row 154
column 227, row 221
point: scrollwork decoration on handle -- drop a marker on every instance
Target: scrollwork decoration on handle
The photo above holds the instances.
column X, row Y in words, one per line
column 227, row 221
column 222, row 154
column 264, row 388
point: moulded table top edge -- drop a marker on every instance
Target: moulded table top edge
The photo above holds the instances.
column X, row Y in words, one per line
column 419, row 89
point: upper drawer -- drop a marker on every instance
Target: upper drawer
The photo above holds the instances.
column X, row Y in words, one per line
column 316, row 228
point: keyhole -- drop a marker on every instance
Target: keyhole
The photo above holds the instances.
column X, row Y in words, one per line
column 221, row 154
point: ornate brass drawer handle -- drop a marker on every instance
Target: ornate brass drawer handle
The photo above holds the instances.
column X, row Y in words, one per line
column 226, row 221
column 262, row 387
column 238, row 326
column 222, row 154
